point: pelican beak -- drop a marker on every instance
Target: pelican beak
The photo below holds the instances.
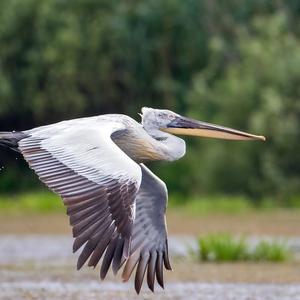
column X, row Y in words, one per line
column 184, row 126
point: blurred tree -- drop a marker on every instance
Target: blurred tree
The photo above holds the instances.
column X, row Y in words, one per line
column 258, row 92
column 65, row 59
column 234, row 62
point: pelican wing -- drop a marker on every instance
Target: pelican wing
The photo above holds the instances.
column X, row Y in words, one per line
column 149, row 248
column 97, row 181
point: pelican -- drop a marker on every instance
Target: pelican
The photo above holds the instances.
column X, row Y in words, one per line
column 116, row 205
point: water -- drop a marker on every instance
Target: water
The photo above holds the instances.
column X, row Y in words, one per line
column 43, row 267
column 58, row 248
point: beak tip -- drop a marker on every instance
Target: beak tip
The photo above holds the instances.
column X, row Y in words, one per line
column 262, row 138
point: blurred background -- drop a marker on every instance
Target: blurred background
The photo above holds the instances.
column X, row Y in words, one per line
column 235, row 63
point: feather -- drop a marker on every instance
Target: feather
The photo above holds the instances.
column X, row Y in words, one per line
column 130, row 264
column 166, row 257
column 86, row 235
column 140, row 272
column 84, row 224
column 99, row 250
column 151, row 270
column 91, row 245
column 108, row 257
column 159, row 269
column 116, row 263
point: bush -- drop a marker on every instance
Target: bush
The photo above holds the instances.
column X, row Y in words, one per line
column 258, row 92
column 222, row 247
column 273, row 252
column 225, row 248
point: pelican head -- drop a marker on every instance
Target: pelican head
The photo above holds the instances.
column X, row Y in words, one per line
column 170, row 122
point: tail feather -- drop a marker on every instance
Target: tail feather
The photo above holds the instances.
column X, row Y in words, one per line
column 11, row 139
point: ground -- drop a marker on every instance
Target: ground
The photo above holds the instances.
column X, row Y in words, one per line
column 28, row 272
column 275, row 223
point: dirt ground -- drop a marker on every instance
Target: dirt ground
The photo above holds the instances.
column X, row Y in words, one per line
column 56, row 277
column 188, row 280
column 277, row 223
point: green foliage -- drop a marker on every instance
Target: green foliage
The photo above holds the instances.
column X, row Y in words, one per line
column 257, row 92
column 37, row 202
column 274, row 252
column 47, row 202
column 231, row 62
column 212, row 204
column 69, row 58
column 224, row 247
column 221, row 204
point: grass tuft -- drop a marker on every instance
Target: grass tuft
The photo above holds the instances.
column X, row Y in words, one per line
column 224, row 247
column 271, row 251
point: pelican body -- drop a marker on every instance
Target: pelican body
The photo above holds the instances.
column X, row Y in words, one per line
column 116, row 205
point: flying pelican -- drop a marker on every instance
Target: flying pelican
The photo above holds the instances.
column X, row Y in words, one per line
column 115, row 203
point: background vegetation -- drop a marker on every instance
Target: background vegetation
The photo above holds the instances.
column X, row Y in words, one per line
column 235, row 63
column 224, row 247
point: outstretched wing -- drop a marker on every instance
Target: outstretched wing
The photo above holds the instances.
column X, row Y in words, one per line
column 149, row 248
column 97, row 181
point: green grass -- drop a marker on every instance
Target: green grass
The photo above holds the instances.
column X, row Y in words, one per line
column 35, row 202
column 222, row 247
column 271, row 251
column 212, row 204
column 46, row 201
column 226, row 248
column 229, row 204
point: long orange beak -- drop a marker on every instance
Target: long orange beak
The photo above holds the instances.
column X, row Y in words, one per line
column 185, row 126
